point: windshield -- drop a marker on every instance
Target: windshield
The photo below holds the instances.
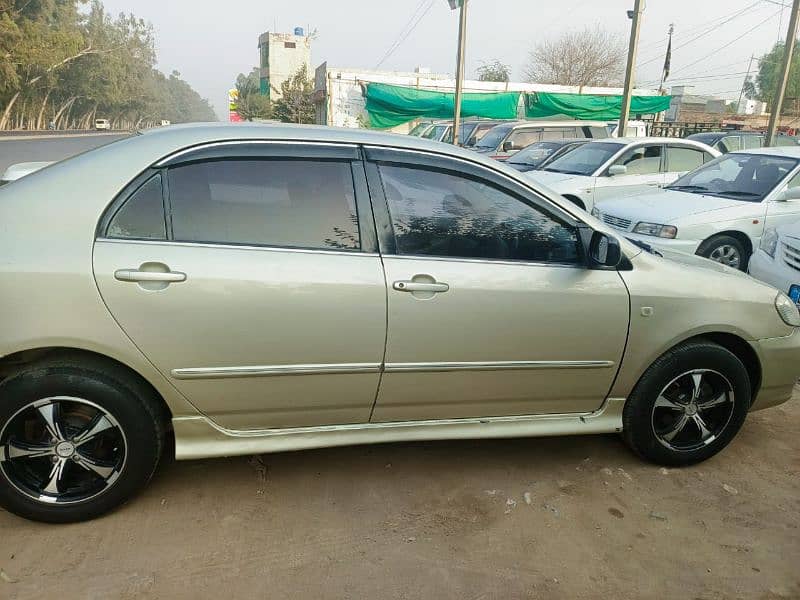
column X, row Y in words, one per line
column 419, row 128
column 746, row 177
column 435, row 132
column 534, row 154
column 586, row 159
column 494, row 137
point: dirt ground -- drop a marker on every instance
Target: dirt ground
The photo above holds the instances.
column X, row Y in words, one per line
column 575, row 517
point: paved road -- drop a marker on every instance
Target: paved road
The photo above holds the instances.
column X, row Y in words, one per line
column 572, row 518
column 27, row 149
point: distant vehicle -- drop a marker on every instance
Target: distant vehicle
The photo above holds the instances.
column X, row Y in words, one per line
column 617, row 167
column 420, row 128
column 102, row 124
column 540, row 154
column 508, row 138
column 472, row 130
column 777, row 260
column 719, row 211
column 165, row 122
column 731, row 141
column 19, row 170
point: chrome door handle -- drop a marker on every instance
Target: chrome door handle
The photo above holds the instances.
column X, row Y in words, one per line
column 419, row 286
column 137, row 276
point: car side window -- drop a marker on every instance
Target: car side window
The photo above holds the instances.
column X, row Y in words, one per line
column 525, row 137
column 142, row 214
column 752, row 141
column 642, row 160
column 438, row 213
column 730, row 143
column 681, row 158
column 285, row 203
column 794, row 182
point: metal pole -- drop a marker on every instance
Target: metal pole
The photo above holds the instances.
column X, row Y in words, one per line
column 462, row 41
column 744, row 83
column 669, row 46
column 630, row 67
column 777, row 104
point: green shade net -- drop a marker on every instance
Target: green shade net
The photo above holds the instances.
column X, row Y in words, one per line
column 540, row 105
column 392, row 105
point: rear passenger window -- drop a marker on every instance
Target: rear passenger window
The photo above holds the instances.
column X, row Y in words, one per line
column 680, row 159
column 287, row 203
column 142, row 215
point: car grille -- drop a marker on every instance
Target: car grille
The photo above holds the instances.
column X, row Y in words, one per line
column 616, row 222
column 791, row 256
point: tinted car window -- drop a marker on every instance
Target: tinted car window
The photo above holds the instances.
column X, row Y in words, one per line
column 142, row 215
column 442, row 214
column 525, row 137
column 642, row 160
column 752, row 141
column 683, row 159
column 586, row 159
column 291, row 203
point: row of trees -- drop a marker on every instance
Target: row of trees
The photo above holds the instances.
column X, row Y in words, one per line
column 66, row 62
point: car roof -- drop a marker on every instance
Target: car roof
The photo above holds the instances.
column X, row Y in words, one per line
column 642, row 140
column 789, row 151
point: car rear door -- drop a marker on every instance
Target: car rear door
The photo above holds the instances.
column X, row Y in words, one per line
column 491, row 311
column 682, row 158
column 261, row 296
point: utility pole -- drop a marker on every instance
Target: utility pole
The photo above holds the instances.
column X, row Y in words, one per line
column 744, row 83
column 667, row 60
column 630, row 67
column 462, row 42
column 788, row 50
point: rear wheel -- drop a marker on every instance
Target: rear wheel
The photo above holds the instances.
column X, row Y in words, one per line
column 75, row 442
column 688, row 405
column 727, row 250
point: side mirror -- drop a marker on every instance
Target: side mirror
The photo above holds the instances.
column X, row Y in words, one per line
column 508, row 146
column 604, row 251
column 617, row 170
column 789, row 194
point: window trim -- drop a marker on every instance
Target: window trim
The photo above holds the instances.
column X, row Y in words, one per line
column 449, row 165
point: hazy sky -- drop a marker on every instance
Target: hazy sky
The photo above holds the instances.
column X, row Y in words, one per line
column 211, row 42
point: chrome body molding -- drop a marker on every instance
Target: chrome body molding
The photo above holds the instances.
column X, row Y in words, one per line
column 274, row 371
column 199, row 437
column 348, row 368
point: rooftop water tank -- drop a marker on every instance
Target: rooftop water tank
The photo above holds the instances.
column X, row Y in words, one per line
column 299, row 31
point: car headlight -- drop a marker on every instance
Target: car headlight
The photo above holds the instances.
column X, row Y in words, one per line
column 595, row 212
column 656, row 229
column 769, row 241
column 787, row 310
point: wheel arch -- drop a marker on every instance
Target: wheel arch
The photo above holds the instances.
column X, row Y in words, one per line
column 18, row 361
column 740, row 236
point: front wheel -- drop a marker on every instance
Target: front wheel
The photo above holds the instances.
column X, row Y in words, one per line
column 688, row 405
column 726, row 250
column 75, row 441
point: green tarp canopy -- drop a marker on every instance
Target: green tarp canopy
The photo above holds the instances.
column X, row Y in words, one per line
column 392, row 105
column 540, row 105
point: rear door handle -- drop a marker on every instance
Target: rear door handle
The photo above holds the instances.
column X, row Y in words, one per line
column 419, row 286
column 138, row 276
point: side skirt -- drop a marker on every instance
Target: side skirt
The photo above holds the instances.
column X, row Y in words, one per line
column 199, row 437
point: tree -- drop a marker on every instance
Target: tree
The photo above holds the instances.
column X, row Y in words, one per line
column 769, row 70
column 494, row 71
column 584, row 58
column 296, row 104
column 251, row 103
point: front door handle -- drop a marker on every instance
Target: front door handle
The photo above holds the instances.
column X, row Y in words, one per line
column 420, row 286
column 138, row 276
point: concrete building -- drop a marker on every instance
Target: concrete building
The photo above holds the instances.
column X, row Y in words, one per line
column 281, row 56
column 339, row 101
column 751, row 107
column 687, row 106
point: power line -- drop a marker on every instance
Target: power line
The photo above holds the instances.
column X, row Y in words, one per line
column 408, row 28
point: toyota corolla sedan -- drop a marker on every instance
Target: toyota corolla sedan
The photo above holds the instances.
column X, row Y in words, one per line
column 621, row 167
column 259, row 288
column 718, row 211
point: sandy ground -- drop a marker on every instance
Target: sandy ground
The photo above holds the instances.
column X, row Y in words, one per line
column 576, row 517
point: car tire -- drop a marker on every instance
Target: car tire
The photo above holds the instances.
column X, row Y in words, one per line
column 77, row 439
column 660, row 418
column 725, row 249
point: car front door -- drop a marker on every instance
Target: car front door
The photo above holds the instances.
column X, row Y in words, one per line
column 261, row 297
column 491, row 310
column 644, row 172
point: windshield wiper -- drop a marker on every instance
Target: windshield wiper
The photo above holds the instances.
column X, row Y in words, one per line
column 645, row 247
column 738, row 193
column 688, row 188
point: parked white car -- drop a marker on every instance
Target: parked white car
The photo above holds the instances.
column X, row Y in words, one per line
column 719, row 211
column 102, row 124
column 617, row 167
column 18, row 170
column 777, row 260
